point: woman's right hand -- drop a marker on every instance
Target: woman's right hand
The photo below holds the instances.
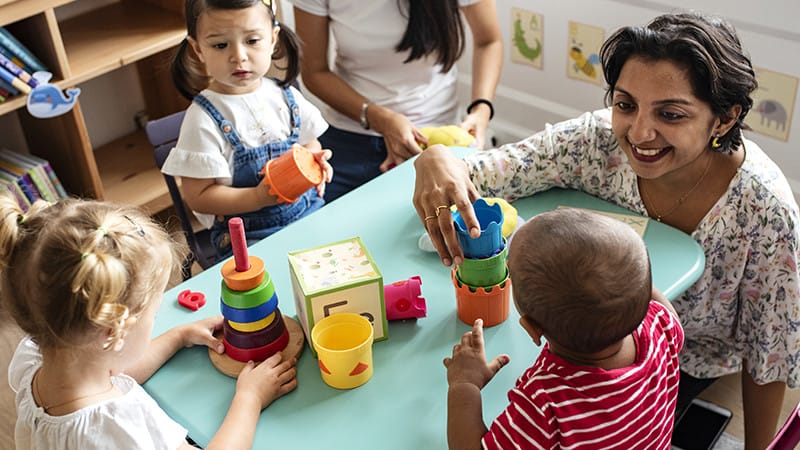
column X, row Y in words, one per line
column 442, row 180
column 269, row 380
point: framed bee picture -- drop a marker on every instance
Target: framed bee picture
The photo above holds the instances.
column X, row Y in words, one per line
column 583, row 46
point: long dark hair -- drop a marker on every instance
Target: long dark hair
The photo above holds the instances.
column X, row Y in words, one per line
column 188, row 72
column 707, row 47
column 434, row 26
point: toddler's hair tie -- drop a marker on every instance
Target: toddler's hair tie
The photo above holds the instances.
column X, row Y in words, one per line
column 103, row 230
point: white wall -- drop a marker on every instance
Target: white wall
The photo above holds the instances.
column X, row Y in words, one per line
column 527, row 97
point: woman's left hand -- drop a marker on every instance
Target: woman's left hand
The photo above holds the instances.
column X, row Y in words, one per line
column 476, row 123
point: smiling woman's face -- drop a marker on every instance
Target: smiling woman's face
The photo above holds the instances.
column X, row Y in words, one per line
column 659, row 123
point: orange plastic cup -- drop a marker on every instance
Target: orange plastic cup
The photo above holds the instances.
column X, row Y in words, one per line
column 292, row 173
column 487, row 303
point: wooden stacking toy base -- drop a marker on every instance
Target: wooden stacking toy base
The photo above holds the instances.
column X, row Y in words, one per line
column 232, row 367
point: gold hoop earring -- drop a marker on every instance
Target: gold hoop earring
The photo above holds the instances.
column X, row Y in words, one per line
column 715, row 143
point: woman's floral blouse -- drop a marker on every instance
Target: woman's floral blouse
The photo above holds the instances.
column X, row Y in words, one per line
column 746, row 304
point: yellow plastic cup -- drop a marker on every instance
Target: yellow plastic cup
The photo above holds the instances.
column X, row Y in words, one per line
column 343, row 342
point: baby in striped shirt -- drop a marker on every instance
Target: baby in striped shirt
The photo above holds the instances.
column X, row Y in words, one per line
column 607, row 376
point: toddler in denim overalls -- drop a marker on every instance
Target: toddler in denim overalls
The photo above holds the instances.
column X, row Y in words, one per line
column 212, row 146
column 248, row 162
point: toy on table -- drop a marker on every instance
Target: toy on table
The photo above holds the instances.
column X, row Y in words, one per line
column 191, row 300
column 253, row 329
column 511, row 221
column 292, row 173
column 482, row 284
column 448, row 135
column 334, row 278
column 404, row 299
column 343, row 343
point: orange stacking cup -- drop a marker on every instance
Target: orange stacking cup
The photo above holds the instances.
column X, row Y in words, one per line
column 487, row 303
column 292, row 173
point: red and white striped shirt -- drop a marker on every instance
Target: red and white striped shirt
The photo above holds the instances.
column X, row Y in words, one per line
column 556, row 404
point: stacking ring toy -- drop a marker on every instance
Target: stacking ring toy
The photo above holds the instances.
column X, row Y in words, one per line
column 250, row 314
column 258, row 353
column 252, row 326
column 248, row 299
column 257, row 338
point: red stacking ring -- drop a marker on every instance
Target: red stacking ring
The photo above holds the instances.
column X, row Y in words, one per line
column 254, row 339
column 258, row 353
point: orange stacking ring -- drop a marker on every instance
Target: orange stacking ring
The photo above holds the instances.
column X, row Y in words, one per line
column 243, row 281
column 292, row 173
column 250, row 298
column 487, row 303
column 258, row 353
column 249, row 327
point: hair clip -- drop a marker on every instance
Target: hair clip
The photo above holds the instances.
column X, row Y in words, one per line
column 139, row 229
column 21, row 219
column 84, row 255
column 269, row 4
column 103, row 230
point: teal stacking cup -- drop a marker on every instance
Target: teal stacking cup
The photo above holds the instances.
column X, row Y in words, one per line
column 490, row 218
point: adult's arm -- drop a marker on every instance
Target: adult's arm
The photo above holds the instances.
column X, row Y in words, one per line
column 399, row 133
column 487, row 62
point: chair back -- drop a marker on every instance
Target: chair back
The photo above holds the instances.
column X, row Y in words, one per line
column 163, row 134
column 789, row 435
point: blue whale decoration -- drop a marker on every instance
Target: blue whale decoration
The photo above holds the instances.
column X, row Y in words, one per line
column 46, row 100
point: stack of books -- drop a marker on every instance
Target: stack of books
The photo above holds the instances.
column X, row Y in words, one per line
column 29, row 178
column 17, row 64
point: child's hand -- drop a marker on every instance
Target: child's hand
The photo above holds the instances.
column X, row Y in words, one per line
column 268, row 380
column 322, row 157
column 468, row 363
column 202, row 333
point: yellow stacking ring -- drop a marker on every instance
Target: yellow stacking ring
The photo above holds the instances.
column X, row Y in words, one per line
column 250, row 327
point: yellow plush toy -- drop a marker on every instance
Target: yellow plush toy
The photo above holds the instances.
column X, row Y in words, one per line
column 447, row 135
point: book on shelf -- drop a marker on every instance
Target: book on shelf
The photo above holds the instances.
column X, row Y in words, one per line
column 16, row 48
column 11, row 184
column 15, row 81
column 11, row 89
column 10, row 66
column 23, row 180
column 48, row 170
column 36, row 172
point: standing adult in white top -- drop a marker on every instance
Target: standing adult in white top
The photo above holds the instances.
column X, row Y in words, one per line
column 394, row 72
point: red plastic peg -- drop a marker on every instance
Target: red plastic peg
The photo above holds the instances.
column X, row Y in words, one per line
column 191, row 300
column 239, row 244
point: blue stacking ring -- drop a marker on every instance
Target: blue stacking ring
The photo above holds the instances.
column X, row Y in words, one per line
column 249, row 314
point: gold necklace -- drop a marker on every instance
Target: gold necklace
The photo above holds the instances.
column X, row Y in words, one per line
column 679, row 202
column 38, row 395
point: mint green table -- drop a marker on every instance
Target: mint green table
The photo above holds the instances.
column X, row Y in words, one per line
column 403, row 406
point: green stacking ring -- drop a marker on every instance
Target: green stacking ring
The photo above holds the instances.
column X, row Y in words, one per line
column 248, row 299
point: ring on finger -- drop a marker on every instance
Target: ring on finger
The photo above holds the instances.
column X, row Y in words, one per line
column 438, row 208
column 427, row 218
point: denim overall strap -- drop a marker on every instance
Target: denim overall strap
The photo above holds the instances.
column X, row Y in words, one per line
column 225, row 126
column 294, row 112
